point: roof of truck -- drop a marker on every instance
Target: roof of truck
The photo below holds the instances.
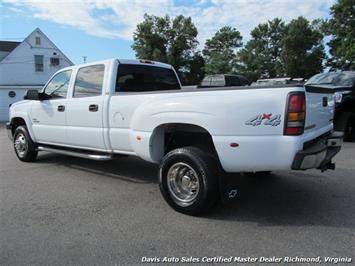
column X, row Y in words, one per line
column 124, row 61
column 143, row 62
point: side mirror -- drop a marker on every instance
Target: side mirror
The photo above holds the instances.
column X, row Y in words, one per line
column 32, row 95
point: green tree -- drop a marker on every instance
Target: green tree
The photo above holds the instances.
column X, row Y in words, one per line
column 341, row 27
column 193, row 72
column 302, row 50
column 165, row 39
column 261, row 56
column 220, row 51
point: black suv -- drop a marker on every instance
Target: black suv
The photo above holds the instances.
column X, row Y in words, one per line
column 343, row 85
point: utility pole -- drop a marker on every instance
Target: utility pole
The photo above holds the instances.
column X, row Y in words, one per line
column 84, row 59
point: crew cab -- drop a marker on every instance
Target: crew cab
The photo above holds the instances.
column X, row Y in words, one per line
column 137, row 107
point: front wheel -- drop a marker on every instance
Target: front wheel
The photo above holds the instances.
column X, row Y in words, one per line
column 25, row 148
column 188, row 180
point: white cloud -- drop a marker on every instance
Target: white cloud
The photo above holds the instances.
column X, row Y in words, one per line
column 118, row 18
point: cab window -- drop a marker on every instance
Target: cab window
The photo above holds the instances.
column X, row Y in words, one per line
column 89, row 81
column 58, row 86
column 140, row 78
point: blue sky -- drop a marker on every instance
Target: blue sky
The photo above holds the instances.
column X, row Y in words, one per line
column 101, row 29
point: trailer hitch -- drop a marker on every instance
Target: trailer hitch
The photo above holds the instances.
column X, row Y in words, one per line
column 329, row 165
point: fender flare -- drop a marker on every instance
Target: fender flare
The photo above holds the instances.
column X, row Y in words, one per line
column 28, row 123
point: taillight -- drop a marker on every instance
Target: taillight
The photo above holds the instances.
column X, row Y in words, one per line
column 295, row 114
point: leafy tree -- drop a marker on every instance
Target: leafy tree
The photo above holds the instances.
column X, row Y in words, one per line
column 302, row 50
column 193, row 72
column 261, row 55
column 220, row 51
column 341, row 26
column 165, row 39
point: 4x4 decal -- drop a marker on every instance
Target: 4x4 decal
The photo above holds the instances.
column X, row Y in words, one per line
column 265, row 119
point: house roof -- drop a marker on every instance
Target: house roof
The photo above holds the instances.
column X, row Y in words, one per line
column 7, row 46
column 41, row 32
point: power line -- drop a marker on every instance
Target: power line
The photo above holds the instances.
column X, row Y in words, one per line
column 19, row 38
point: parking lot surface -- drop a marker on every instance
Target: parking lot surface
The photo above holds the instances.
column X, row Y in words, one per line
column 64, row 210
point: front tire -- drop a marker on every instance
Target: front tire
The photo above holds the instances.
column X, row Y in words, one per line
column 25, row 148
column 188, row 180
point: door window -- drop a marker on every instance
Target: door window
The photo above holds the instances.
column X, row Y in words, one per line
column 58, row 86
column 89, row 81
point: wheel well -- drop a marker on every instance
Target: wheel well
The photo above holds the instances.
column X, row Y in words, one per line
column 168, row 137
column 16, row 122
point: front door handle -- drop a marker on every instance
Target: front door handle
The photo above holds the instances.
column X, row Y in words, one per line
column 61, row 108
column 93, row 107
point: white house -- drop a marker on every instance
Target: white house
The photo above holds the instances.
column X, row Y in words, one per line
column 27, row 65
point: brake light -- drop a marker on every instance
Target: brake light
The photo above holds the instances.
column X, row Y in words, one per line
column 295, row 114
column 145, row 61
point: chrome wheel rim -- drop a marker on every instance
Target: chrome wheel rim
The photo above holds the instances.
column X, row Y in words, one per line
column 183, row 183
column 21, row 145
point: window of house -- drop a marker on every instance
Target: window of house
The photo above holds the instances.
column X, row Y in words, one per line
column 38, row 40
column 89, row 81
column 39, row 63
column 58, row 86
column 54, row 61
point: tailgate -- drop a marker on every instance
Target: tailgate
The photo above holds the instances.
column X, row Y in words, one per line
column 319, row 108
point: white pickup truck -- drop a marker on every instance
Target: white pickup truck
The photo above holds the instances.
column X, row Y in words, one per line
column 137, row 107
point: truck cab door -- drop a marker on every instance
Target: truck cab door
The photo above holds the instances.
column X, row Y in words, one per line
column 49, row 116
column 85, row 109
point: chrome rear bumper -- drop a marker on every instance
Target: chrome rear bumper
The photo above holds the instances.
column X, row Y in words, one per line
column 319, row 155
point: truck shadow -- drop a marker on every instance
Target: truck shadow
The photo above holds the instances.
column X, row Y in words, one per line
column 281, row 198
column 129, row 169
column 290, row 198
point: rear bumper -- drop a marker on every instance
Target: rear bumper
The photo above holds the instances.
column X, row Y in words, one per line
column 9, row 130
column 319, row 155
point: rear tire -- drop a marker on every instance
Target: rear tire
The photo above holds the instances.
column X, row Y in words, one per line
column 25, row 148
column 188, row 180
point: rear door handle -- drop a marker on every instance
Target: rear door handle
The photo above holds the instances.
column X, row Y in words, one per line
column 61, row 108
column 93, row 107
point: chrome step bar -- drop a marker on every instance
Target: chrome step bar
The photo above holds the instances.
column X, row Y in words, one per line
column 97, row 157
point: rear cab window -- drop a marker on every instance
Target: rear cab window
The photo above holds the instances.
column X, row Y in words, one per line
column 141, row 78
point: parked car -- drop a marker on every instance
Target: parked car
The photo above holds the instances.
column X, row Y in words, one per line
column 277, row 81
column 130, row 107
column 342, row 84
column 223, row 80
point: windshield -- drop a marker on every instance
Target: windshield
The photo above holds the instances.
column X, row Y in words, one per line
column 343, row 79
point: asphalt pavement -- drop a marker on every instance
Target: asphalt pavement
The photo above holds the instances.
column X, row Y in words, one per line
column 70, row 211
